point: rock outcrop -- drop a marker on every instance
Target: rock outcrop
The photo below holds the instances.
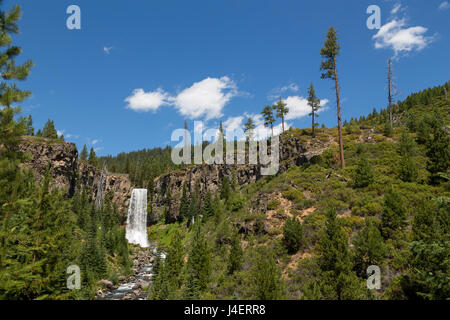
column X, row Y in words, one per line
column 294, row 150
column 62, row 157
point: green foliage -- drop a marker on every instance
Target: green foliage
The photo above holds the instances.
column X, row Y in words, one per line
column 430, row 262
column 269, row 119
column 364, row 173
column 369, row 248
column 273, row 204
column 293, row 235
column 337, row 281
column 329, row 52
column 199, row 262
column 175, row 259
column 49, row 130
column 281, row 110
column 314, row 103
column 236, row 254
column 266, row 277
column 84, row 154
column 438, row 152
column 93, row 160
column 394, row 213
column 225, row 190
column 207, row 207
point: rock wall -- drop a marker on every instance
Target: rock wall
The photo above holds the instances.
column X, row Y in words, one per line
column 66, row 169
column 293, row 151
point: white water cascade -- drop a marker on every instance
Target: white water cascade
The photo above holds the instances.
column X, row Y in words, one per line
column 136, row 231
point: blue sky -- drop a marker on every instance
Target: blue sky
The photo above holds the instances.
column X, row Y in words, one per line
column 138, row 68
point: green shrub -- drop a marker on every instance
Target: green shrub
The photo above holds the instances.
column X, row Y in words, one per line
column 273, row 204
column 292, row 235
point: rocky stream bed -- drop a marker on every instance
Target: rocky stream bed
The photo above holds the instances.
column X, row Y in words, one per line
column 135, row 287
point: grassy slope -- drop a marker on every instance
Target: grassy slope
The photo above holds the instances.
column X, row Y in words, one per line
column 309, row 191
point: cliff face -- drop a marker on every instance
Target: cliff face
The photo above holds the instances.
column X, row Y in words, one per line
column 66, row 169
column 293, row 151
column 62, row 158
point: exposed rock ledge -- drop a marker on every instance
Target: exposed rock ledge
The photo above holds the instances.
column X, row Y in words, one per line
column 293, row 151
column 65, row 168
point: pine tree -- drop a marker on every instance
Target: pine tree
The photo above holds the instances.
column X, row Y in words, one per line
column 314, row 103
column 329, row 52
column 292, row 235
column 337, row 281
column 49, row 130
column 269, row 120
column 394, row 213
column 93, row 160
column 236, row 254
column 207, row 208
column 266, row 276
column 175, row 259
column 199, row 261
column 225, row 190
column 282, row 110
column 10, row 93
column 30, row 129
column 364, row 173
column 369, row 248
column 438, row 152
column 407, row 147
column 84, row 154
column 249, row 128
column 160, row 288
column 430, row 263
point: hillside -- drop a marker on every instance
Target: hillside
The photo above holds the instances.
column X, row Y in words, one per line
column 388, row 208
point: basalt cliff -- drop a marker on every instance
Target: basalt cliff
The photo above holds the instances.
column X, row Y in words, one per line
column 293, row 150
column 66, row 169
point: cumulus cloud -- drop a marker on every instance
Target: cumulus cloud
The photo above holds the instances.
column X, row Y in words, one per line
column 400, row 38
column 146, row 101
column 444, row 5
column 205, row 98
column 298, row 107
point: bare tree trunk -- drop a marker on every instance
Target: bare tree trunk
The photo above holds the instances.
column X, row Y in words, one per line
column 341, row 144
column 312, row 125
column 282, row 123
column 389, row 90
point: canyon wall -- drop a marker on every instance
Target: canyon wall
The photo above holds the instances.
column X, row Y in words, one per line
column 62, row 157
column 293, row 151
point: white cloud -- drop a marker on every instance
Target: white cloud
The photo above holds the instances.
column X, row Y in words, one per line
column 444, row 5
column 397, row 36
column 205, row 98
column 67, row 135
column 396, row 8
column 107, row 49
column 298, row 107
column 146, row 101
column 277, row 92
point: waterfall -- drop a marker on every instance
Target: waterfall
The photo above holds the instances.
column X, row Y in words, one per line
column 136, row 231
